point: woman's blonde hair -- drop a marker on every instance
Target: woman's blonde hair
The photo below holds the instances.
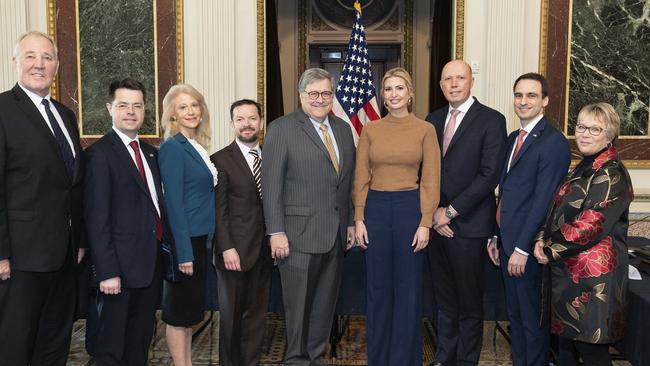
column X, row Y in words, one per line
column 170, row 126
column 401, row 73
column 605, row 113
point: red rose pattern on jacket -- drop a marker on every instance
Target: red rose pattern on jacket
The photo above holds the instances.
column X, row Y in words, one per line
column 586, row 233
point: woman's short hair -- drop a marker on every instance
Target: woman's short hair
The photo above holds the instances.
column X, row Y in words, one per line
column 170, row 126
column 605, row 113
column 401, row 73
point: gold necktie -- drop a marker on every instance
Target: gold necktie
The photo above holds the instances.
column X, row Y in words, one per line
column 330, row 147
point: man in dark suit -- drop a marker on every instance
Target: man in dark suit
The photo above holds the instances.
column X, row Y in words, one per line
column 309, row 159
column 124, row 214
column 40, row 211
column 537, row 160
column 473, row 141
column 242, row 255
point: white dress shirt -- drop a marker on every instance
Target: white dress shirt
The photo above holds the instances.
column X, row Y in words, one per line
column 38, row 102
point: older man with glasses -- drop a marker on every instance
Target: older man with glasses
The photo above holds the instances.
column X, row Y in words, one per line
column 309, row 159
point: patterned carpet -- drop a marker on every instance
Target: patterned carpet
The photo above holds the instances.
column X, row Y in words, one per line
column 350, row 351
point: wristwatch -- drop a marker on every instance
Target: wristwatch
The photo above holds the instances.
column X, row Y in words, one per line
column 448, row 213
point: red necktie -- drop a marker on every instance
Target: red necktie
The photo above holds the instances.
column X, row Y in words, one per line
column 520, row 141
column 449, row 131
column 138, row 162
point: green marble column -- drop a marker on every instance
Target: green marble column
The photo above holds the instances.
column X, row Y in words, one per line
column 116, row 41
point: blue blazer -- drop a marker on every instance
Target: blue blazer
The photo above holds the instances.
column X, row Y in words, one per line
column 525, row 192
column 189, row 193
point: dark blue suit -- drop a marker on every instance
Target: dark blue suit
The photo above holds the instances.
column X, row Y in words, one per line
column 525, row 193
column 470, row 172
column 120, row 220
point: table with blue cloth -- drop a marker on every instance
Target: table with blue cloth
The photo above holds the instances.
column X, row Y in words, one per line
column 636, row 344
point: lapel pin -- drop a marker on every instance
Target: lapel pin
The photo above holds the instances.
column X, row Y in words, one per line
column 151, row 155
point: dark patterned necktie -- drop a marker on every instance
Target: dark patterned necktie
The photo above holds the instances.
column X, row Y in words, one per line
column 257, row 165
column 59, row 136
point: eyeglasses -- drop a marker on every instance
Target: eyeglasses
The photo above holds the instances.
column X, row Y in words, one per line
column 136, row 107
column 593, row 130
column 326, row 95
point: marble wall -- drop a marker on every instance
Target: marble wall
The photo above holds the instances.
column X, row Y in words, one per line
column 610, row 60
column 112, row 48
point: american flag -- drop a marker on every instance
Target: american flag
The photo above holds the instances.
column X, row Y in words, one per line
column 356, row 101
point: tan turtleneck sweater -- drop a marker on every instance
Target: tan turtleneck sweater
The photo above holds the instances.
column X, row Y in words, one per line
column 389, row 155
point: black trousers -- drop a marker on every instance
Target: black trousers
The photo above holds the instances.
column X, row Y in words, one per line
column 36, row 316
column 120, row 327
column 243, row 302
column 458, row 283
column 591, row 354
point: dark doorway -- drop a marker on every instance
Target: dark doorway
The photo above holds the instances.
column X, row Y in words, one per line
column 332, row 57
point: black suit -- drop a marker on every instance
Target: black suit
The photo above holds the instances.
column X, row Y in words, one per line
column 40, row 229
column 120, row 218
column 243, row 296
column 470, row 172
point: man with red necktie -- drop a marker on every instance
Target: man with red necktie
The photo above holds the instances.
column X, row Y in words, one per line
column 125, row 217
column 537, row 160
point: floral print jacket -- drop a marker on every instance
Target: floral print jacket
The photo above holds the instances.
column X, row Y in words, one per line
column 585, row 236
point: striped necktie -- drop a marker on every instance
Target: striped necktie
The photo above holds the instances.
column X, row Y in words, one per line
column 330, row 147
column 257, row 165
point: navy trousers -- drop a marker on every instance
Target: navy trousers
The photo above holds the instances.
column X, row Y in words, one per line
column 394, row 275
column 528, row 340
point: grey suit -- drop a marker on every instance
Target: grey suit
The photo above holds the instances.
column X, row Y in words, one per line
column 304, row 198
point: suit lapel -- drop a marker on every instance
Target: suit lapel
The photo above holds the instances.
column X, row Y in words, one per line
column 465, row 124
column 34, row 117
column 338, row 135
column 309, row 129
column 530, row 139
column 152, row 160
column 512, row 138
column 192, row 152
column 125, row 156
column 73, row 131
column 239, row 160
column 439, row 124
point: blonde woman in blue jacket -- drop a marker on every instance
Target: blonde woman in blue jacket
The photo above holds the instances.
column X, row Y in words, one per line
column 189, row 179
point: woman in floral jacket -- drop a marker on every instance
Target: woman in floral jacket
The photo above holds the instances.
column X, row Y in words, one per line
column 584, row 240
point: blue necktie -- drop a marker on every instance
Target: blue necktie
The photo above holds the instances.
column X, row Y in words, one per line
column 64, row 146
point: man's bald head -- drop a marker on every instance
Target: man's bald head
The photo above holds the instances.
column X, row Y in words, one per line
column 456, row 82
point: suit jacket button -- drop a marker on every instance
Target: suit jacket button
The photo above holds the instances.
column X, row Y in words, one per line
column 336, row 208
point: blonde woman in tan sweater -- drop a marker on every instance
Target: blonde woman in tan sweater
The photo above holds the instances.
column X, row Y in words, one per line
column 394, row 207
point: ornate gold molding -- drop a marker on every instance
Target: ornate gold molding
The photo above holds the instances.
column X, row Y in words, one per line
column 408, row 35
column 302, row 36
column 261, row 65
column 543, row 37
column 180, row 43
column 51, row 31
column 460, row 30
